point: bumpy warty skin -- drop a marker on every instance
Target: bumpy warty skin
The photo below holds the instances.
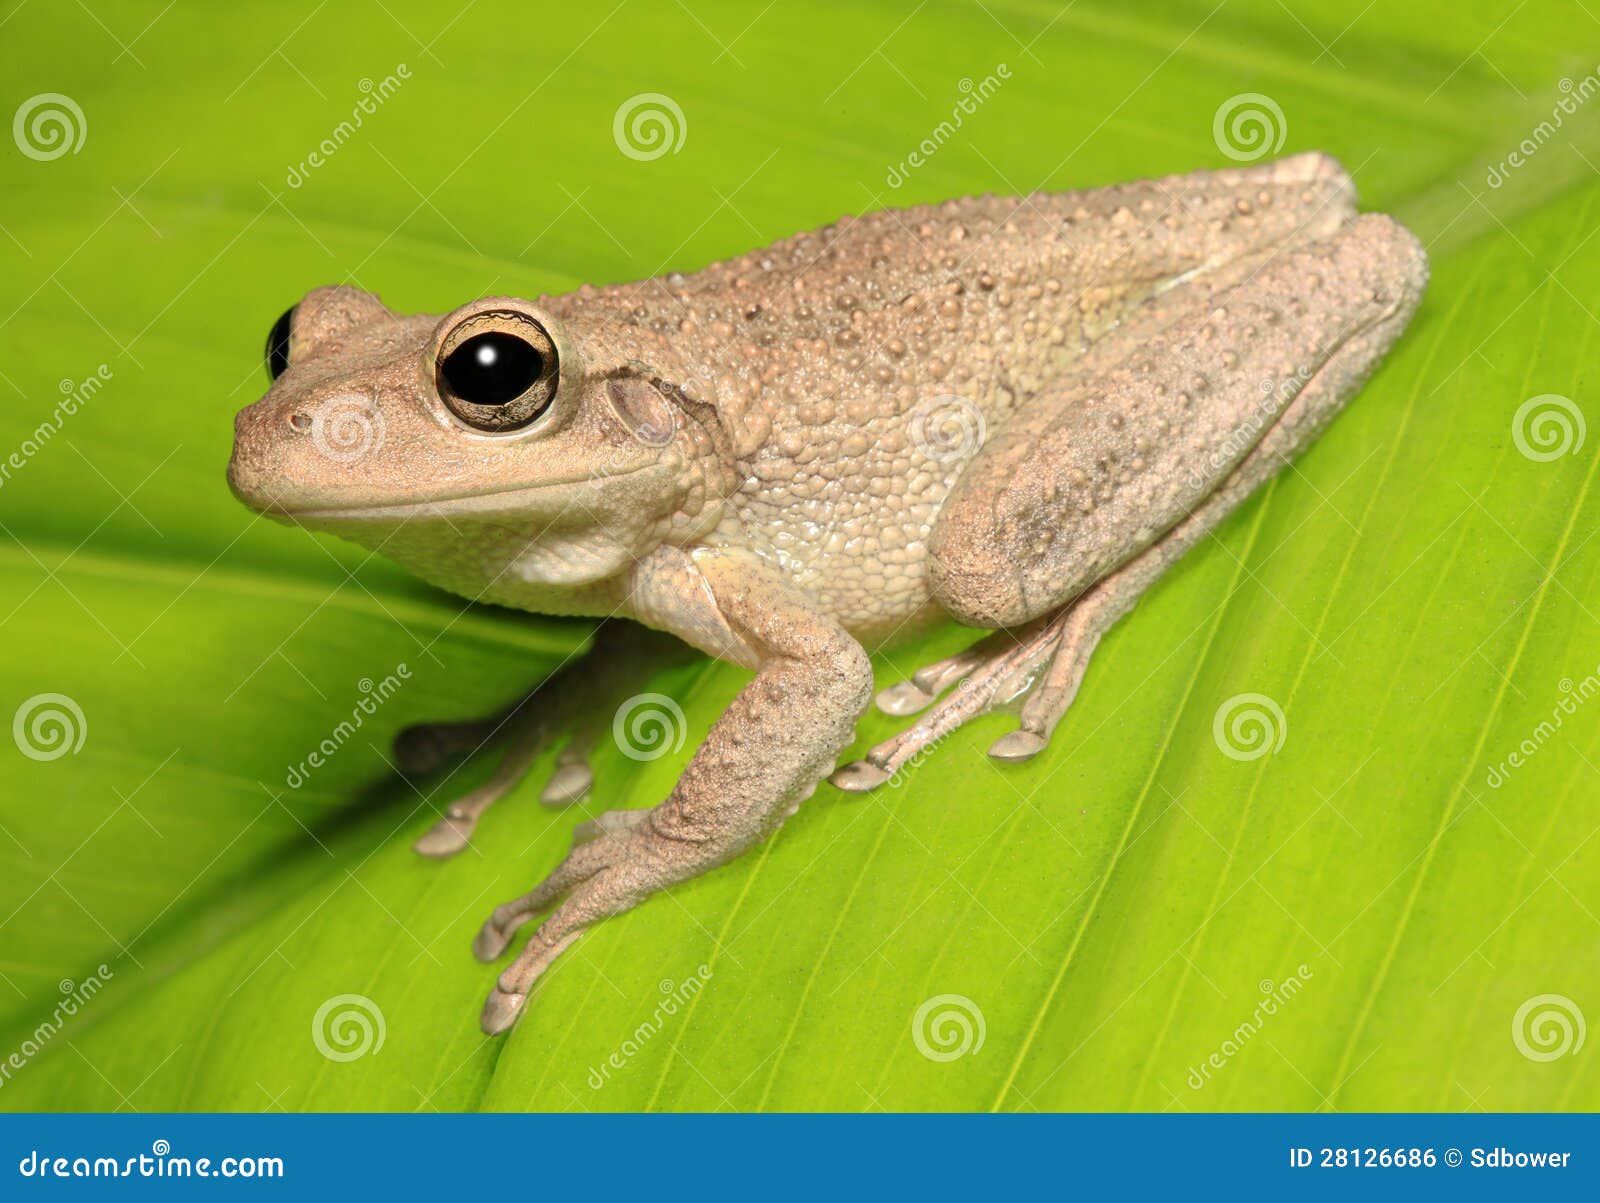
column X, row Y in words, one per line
column 1065, row 492
column 822, row 351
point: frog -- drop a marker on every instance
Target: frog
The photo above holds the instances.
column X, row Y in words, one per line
column 1013, row 413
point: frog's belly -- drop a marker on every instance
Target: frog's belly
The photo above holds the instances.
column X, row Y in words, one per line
column 878, row 598
column 867, row 570
column 847, row 520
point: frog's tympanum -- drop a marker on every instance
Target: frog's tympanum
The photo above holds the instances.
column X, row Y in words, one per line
column 1011, row 413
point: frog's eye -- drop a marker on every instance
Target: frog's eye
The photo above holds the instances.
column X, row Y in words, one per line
column 497, row 371
column 278, row 344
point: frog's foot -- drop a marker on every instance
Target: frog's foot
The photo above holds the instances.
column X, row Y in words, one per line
column 586, row 694
column 525, row 735
column 618, row 859
column 1034, row 671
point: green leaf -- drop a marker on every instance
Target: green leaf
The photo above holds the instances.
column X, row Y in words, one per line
column 1415, row 596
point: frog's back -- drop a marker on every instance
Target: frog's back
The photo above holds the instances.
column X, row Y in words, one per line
column 863, row 363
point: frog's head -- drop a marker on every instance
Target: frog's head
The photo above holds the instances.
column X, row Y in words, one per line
column 497, row 435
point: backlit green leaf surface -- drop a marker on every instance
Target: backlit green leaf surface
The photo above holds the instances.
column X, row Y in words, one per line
column 1417, row 596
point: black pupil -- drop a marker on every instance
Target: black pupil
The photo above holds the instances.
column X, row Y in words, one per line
column 278, row 344
column 492, row 368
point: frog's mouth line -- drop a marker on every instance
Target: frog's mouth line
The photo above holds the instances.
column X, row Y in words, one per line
column 460, row 504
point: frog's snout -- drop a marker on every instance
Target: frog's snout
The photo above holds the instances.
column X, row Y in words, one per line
column 244, row 477
column 265, row 443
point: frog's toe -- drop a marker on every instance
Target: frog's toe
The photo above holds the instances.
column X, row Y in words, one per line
column 569, row 783
column 1019, row 745
column 501, row 1011
column 904, row 699
column 926, row 684
column 859, row 776
column 448, row 836
column 453, row 831
column 573, row 778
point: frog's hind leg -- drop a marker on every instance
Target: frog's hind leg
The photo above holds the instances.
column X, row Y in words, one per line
column 1034, row 671
column 1063, row 520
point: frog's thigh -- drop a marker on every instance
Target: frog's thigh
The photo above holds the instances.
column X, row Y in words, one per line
column 1093, row 471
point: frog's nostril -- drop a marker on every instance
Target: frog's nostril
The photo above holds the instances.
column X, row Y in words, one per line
column 301, row 422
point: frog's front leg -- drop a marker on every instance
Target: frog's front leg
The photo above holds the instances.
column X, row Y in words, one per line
column 575, row 705
column 761, row 759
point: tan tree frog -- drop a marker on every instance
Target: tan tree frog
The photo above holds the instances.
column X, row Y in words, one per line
column 1014, row 413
